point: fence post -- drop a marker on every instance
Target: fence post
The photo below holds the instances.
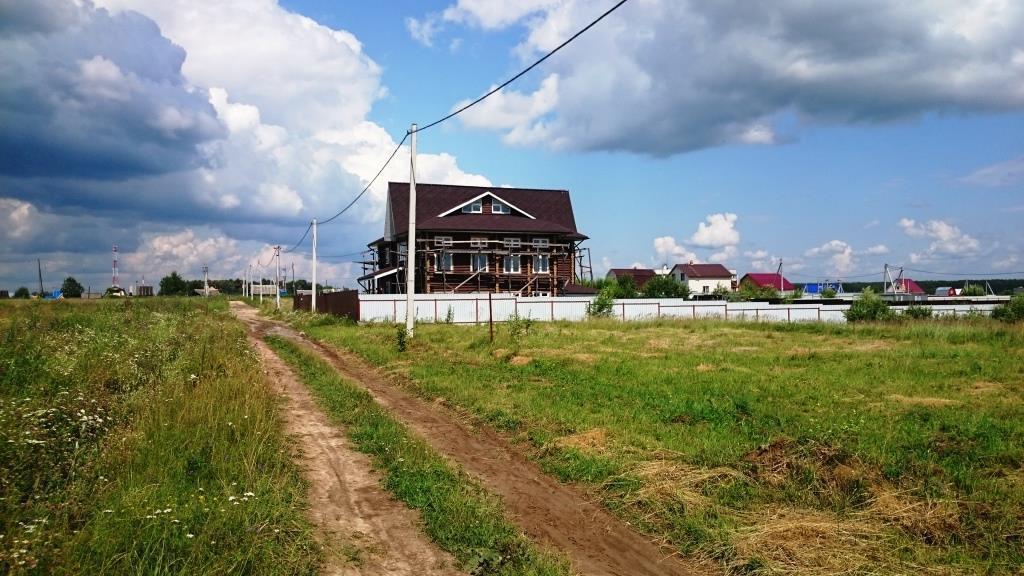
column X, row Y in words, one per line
column 490, row 315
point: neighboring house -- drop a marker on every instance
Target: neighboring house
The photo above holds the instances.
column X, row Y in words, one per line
column 948, row 291
column 769, row 280
column 477, row 239
column 704, row 278
column 907, row 286
column 640, row 276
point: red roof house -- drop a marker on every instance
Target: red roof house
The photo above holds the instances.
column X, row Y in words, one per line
column 768, row 280
column 908, row 286
column 640, row 276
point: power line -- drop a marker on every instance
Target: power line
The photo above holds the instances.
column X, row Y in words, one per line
column 527, row 69
column 372, row 180
column 304, row 234
column 974, row 274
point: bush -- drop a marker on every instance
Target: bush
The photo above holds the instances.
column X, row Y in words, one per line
column 973, row 290
column 601, row 306
column 21, row 292
column 749, row 291
column 1012, row 311
column 665, row 287
column 828, row 293
column 917, row 312
column 869, row 308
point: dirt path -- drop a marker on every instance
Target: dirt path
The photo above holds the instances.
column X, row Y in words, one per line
column 552, row 513
column 363, row 529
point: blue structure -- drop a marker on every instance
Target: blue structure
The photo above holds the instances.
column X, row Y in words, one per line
column 822, row 286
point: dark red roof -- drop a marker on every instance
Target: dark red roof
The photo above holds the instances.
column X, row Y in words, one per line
column 703, row 270
column 640, row 276
column 578, row 289
column 551, row 210
column 767, row 279
column 909, row 286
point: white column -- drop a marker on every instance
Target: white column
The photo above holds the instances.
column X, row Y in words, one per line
column 410, row 257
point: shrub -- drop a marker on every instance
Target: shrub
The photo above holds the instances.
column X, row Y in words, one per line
column 21, row 292
column 749, row 291
column 869, row 308
column 625, row 287
column 973, row 290
column 518, row 327
column 1012, row 311
column 601, row 306
column 828, row 293
column 401, row 337
column 917, row 312
column 665, row 287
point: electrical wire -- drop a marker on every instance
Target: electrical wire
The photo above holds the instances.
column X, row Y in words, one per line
column 304, row 234
column 978, row 275
column 527, row 69
column 372, row 180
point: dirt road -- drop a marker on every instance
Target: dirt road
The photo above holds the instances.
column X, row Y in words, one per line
column 551, row 513
column 364, row 530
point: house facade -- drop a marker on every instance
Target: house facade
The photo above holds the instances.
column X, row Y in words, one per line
column 704, row 278
column 477, row 239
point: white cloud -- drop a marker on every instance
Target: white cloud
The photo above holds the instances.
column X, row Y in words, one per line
column 846, row 61
column 423, row 31
column 727, row 253
column 947, row 240
column 1006, row 263
column 839, row 255
column 492, row 15
column 17, row 218
column 756, row 254
column 877, row 250
column 671, row 252
column 519, row 113
column 1001, row 174
column 716, row 231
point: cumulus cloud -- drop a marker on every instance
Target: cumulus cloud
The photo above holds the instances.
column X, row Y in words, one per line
column 716, row 231
column 877, row 250
column 1001, row 174
column 521, row 114
column 669, row 251
column 1008, row 262
column 423, row 31
column 17, row 218
column 947, row 240
column 622, row 86
column 839, row 255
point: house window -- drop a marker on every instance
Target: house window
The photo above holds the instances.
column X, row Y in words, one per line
column 541, row 264
column 402, row 251
column 540, row 243
column 442, row 241
column 478, row 242
column 512, row 264
column 443, row 263
column 474, row 208
column 499, row 208
column 512, row 243
column 707, row 289
column 478, row 262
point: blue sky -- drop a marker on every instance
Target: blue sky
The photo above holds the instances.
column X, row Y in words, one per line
column 835, row 137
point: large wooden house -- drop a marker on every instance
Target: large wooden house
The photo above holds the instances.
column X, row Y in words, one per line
column 478, row 239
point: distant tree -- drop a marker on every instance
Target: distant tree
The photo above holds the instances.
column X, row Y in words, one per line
column 1012, row 311
column 665, row 287
column 21, row 292
column 973, row 290
column 625, row 287
column 173, row 285
column 722, row 291
column 750, row 291
column 71, row 288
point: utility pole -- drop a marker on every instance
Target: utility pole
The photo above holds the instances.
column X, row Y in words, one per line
column 206, row 281
column 294, row 292
column 312, row 306
column 39, row 265
column 410, row 253
column 779, row 272
column 277, row 277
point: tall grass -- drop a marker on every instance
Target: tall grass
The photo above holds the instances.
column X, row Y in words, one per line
column 137, row 437
column 907, row 439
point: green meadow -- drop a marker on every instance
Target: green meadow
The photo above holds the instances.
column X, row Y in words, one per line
column 138, row 437
column 787, row 448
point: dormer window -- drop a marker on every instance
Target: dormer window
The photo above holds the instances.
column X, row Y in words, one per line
column 499, row 208
column 474, row 208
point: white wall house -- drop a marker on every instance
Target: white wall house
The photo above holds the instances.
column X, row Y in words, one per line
column 704, row 278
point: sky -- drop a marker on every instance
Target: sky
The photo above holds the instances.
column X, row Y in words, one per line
column 834, row 136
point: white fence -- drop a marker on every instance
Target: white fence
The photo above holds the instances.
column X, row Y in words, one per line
column 477, row 308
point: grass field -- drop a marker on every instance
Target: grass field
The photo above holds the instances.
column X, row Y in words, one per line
column 137, row 437
column 804, row 448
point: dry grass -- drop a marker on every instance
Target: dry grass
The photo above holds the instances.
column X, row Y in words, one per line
column 922, row 400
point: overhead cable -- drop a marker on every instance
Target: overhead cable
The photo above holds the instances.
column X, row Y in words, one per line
column 525, row 70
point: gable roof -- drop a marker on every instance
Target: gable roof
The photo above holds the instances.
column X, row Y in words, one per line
column 767, row 279
column 640, row 276
column 909, row 286
column 541, row 211
column 474, row 199
column 703, row 270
